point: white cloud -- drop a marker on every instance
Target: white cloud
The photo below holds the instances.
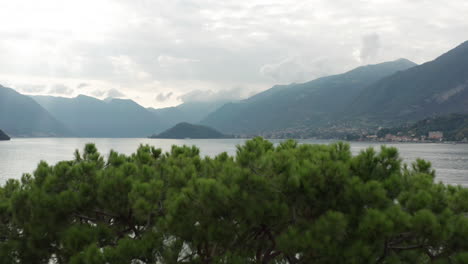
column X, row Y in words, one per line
column 370, row 47
column 144, row 47
column 170, row 61
column 114, row 93
column 82, row 85
column 302, row 69
column 60, row 89
column 161, row 97
column 232, row 94
column 289, row 70
column 30, row 88
column 126, row 68
column 98, row 93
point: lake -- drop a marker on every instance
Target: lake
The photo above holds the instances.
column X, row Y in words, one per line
column 21, row 155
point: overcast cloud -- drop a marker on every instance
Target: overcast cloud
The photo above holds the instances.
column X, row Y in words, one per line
column 192, row 49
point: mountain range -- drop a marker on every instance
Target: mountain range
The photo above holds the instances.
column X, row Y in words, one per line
column 374, row 95
column 112, row 117
column 307, row 104
column 385, row 94
column 91, row 117
column 433, row 88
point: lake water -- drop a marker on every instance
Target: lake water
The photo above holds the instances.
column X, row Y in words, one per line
column 19, row 156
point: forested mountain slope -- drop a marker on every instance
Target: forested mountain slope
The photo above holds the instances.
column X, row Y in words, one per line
column 305, row 104
column 436, row 87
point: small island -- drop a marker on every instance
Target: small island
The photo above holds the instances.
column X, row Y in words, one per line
column 3, row 136
column 186, row 130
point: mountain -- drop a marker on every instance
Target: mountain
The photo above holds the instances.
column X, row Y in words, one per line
column 300, row 105
column 433, row 88
column 21, row 116
column 3, row 136
column 190, row 112
column 186, row 130
column 91, row 117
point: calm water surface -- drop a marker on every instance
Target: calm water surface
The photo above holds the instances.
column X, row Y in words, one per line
column 22, row 155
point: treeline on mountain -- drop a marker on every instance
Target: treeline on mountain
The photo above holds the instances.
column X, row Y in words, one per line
column 454, row 127
column 186, row 130
column 288, row 203
column 3, row 136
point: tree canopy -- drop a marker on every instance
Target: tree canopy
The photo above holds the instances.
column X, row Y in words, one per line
column 290, row 203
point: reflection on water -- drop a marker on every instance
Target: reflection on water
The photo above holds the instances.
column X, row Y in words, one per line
column 22, row 155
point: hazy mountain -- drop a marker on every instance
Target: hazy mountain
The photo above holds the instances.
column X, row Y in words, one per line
column 3, row 136
column 91, row 117
column 186, row 130
column 298, row 105
column 190, row 112
column 436, row 87
column 21, row 116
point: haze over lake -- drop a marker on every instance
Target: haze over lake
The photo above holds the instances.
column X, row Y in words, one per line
column 21, row 155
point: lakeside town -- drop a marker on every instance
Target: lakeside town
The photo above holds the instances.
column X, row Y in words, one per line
column 432, row 136
column 362, row 135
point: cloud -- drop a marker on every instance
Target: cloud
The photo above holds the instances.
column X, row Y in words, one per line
column 370, row 47
column 127, row 68
column 114, row 93
column 82, row 85
column 170, row 61
column 98, row 93
column 215, row 44
column 161, row 97
column 60, row 89
column 289, row 70
column 233, row 94
column 302, row 68
column 30, row 88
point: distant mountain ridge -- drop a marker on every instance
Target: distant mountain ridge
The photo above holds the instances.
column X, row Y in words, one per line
column 21, row 116
column 186, row 130
column 298, row 105
column 91, row 117
column 368, row 97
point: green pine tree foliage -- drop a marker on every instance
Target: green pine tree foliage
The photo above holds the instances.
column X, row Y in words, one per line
column 290, row 203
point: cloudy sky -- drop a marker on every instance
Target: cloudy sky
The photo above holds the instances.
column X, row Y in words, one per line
column 162, row 53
